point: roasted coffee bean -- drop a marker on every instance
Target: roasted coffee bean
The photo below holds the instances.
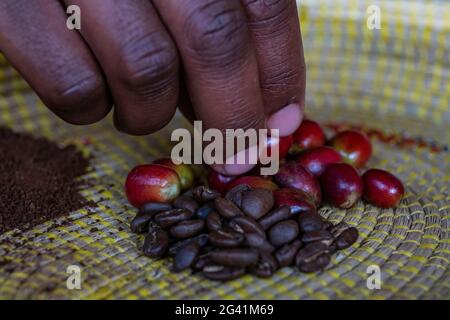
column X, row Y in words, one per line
column 154, row 207
column 185, row 256
column 208, row 248
column 245, row 224
column 266, row 265
column 321, row 235
column 286, row 254
column 201, row 262
column 140, row 223
column 221, row 273
column 202, row 240
column 326, row 225
column 204, row 194
column 226, row 208
column 238, row 226
column 346, row 238
column 337, row 229
column 310, row 252
column 172, row 217
column 283, row 232
column 240, row 258
column 315, row 265
column 332, row 248
column 214, row 221
column 156, row 242
column 186, row 229
column 256, row 203
column 275, row 216
column 254, row 240
column 185, row 202
column 226, row 238
column 309, row 222
column 235, row 194
column 205, row 210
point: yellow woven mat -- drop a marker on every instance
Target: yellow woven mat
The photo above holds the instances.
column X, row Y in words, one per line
column 395, row 79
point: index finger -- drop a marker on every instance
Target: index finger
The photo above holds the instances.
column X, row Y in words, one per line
column 220, row 63
column 275, row 31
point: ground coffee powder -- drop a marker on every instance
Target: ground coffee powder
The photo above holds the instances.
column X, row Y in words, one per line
column 39, row 180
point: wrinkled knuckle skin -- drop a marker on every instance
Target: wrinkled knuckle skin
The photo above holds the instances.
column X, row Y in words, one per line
column 74, row 95
column 144, row 123
column 282, row 80
column 149, row 66
column 245, row 119
column 143, row 126
column 217, row 32
column 262, row 12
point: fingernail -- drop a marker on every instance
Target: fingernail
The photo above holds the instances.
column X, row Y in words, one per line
column 240, row 163
column 287, row 120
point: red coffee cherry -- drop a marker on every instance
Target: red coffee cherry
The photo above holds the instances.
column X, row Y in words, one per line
column 316, row 160
column 184, row 171
column 151, row 183
column 341, row 185
column 218, row 181
column 254, row 182
column 354, row 147
column 294, row 175
column 382, row 188
column 308, row 136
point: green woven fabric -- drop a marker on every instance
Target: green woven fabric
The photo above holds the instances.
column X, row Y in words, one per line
column 395, row 79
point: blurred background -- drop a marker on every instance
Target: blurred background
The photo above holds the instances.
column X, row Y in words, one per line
column 397, row 74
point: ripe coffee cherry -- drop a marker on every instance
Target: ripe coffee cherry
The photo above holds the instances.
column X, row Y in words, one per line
column 316, row 160
column 382, row 188
column 354, row 147
column 298, row 201
column 308, row 136
column 218, row 181
column 151, row 183
column 254, row 182
column 184, row 171
column 294, row 175
column 284, row 144
column 341, row 185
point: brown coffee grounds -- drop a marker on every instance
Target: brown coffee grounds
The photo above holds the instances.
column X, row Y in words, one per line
column 39, row 180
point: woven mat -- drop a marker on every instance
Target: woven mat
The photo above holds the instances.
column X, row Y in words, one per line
column 395, row 79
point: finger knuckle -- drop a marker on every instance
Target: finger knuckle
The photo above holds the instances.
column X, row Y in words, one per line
column 143, row 125
column 76, row 93
column 150, row 64
column 245, row 121
column 282, row 79
column 246, row 118
column 217, row 31
column 269, row 11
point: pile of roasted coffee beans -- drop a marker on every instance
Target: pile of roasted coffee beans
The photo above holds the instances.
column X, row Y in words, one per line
column 226, row 226
column 242, row 232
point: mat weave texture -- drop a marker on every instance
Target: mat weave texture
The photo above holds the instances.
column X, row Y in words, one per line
column 395, row 79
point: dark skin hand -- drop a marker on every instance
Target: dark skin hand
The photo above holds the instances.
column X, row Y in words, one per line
column 229, row 63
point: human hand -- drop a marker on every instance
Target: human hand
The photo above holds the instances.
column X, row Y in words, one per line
column 229, row 63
